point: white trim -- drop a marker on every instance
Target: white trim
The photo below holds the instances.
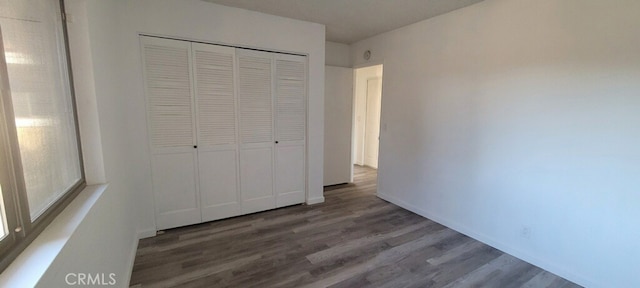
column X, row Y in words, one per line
column 223, row 44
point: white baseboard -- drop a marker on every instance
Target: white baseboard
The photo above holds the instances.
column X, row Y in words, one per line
column 316, row 200
column 527, row 257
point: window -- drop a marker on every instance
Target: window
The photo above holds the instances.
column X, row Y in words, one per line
column 41, row 168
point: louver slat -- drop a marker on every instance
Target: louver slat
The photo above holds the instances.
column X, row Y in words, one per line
column 291, row 114
column 255, row 99
column 168, row 82
column 215, row 97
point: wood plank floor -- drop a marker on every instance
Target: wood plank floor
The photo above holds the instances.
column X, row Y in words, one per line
column 354, row 239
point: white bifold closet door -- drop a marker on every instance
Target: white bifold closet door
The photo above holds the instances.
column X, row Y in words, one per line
column 290, row 82
column 227, row 130
column 172, row 131
column 216, row 129
column 255, row 114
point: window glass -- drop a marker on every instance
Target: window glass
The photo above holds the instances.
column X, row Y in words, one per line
column 38, row 77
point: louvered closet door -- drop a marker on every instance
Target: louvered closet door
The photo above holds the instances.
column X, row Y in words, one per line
column 291, row 115
column 172, row 130
column 216, row 122
column 255, row 103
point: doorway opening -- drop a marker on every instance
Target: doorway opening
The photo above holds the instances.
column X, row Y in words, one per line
column 367, row 102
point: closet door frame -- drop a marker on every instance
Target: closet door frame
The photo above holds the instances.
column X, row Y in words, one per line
column 197, row 148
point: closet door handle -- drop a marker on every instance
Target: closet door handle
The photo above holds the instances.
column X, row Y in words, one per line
column 195, row 146
column 276, row 142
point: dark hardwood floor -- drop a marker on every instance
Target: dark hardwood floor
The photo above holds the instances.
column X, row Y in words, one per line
column 354, row 239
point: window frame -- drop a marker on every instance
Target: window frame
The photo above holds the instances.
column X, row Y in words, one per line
column 21, row 230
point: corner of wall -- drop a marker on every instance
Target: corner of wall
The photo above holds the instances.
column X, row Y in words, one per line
column 316, row 200
column 338, row 54
column 146, row 233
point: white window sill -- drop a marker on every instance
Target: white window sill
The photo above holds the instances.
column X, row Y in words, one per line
column 33, row 262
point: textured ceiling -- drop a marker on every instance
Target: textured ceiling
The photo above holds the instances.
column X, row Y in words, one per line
column 349, row 21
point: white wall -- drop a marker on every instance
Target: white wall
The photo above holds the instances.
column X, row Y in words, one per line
column 360, row 112
column 106, row 239
column 337, row 54
column 85, row 92
column 516, row 122
column 338, row 113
